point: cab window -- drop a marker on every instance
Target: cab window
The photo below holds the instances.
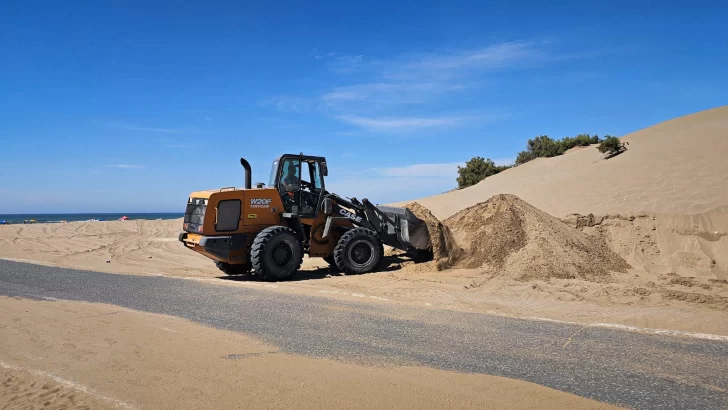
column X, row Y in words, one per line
column 290, row 176
column 316, row 175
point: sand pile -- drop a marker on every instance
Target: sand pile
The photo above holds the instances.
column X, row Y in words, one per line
column 509, row 237
column 444, row 249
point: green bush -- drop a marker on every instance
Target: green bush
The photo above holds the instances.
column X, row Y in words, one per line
column 581, row 140
column 545, row 147
column 524, row 156
column 611, row 146
column 476, row 170
column 479, row 168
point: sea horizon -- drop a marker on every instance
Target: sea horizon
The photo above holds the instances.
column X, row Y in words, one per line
column 85, row 216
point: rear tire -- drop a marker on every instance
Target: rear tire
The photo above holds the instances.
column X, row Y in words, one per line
column 358, row 251
column 229, row 269
column 276, row 253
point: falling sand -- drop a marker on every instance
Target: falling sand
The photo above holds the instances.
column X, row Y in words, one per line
column 445, row 251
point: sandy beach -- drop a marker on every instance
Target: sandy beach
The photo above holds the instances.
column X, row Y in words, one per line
column 135, row 359
column 637, row 242
column 661, row 207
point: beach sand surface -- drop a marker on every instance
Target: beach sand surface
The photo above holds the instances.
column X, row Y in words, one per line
column 64, row 355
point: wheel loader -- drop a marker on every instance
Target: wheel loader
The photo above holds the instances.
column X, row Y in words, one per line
column 265, row 230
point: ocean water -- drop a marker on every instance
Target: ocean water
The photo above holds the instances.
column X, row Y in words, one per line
column 56, row 218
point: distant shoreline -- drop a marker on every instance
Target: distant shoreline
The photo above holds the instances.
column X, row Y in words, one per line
column 12, row 219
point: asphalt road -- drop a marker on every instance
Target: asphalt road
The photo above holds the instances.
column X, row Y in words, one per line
column 624, row 368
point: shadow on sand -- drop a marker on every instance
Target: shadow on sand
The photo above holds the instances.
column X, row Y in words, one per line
column 389, row 264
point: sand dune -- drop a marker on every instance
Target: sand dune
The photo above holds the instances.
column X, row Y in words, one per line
column 676, row 167
column 664, row 201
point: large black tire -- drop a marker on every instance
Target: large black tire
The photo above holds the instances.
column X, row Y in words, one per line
column 358, row 251
column 276, row 253
column 229, row 269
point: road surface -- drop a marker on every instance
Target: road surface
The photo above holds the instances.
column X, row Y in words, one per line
column 630, row 369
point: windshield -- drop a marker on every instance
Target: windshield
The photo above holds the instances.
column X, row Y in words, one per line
column 272, row 180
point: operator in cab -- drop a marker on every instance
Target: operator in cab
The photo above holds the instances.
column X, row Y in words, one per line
column 290, row 181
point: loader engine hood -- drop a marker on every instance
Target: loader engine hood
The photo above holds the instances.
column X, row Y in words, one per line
column 231, row 210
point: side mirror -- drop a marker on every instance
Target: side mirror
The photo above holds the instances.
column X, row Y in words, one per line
column 327, row 206
column 324, row 169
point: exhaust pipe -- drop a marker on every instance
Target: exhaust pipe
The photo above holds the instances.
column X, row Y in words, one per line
column 248, row 176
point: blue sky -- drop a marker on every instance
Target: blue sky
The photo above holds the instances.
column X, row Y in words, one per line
column 129, row 106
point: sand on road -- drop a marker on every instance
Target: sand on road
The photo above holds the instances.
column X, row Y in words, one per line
column 63, row 354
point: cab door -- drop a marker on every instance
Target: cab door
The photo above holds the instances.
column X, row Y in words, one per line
column 289, row 184
column 317, row 219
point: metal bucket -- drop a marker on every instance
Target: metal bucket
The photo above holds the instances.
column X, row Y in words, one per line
column 412, row 232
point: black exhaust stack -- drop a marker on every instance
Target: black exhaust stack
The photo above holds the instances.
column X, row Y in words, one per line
column 248, row 176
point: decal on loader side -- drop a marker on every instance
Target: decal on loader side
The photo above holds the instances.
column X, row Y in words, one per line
column 350, row 215
column 260, row 202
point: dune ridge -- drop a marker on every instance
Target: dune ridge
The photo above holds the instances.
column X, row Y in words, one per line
column 675, row 167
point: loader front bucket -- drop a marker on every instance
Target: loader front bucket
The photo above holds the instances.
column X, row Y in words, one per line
column 410, row 230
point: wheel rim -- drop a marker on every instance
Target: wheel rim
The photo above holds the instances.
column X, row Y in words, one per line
column 361, row 253
column 282, row 254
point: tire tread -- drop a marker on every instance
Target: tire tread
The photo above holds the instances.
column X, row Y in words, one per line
column 259, row 244
column 339, row 250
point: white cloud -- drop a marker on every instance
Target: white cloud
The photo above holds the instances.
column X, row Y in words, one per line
column 491, row 57
column 391, row 93
column 448, row 170
column 400, row 183
column 448, row 65
column 361, row 87
column 390, row 189
column 418, row 78
column 399, row 123
column 127, row 166
column 322, row 56
column 421, row 170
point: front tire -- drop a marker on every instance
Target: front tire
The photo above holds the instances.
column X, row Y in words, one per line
column 358, row 251
column 276, row 253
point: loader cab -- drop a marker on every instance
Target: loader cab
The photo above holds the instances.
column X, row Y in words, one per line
column 299, row 179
